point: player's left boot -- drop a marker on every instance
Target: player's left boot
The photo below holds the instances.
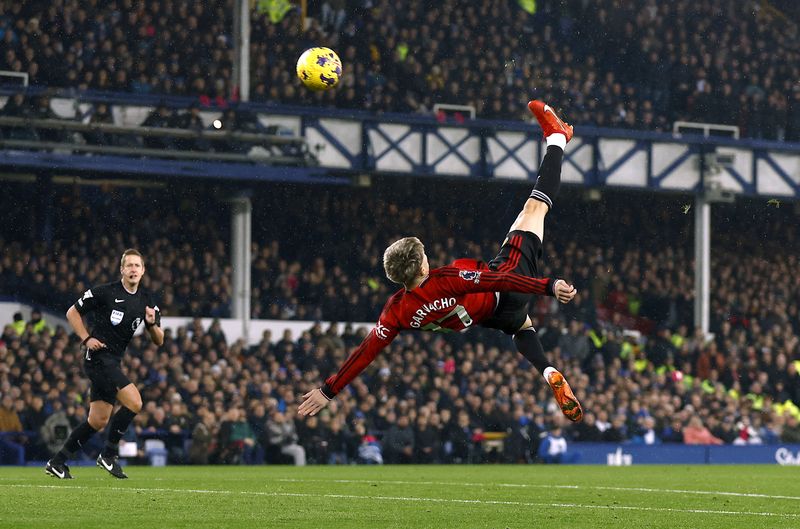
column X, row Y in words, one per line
column 111, row 464
column 569, row 405
column 548, row 120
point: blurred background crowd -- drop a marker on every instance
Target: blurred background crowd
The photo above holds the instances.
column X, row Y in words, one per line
column 626, row 342
column 638, row 64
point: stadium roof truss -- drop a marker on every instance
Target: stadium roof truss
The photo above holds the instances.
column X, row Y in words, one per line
column 352, row 142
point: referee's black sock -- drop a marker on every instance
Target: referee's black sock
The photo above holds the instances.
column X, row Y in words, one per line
column 75, row 441
column 119, row 424
column 549, row 179
column 528, row 344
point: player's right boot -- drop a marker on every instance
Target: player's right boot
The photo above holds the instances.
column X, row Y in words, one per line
column 57, row 470
column 111, row 464
column 548, row 120
column 569, row 405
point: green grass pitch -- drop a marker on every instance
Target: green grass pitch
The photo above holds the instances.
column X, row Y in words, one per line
column 405, row 496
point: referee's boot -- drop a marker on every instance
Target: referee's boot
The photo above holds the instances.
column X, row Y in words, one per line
column 57, row 470
column 111, row 464
column 548, row 120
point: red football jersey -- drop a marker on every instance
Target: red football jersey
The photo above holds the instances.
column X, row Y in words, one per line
column 452, row 298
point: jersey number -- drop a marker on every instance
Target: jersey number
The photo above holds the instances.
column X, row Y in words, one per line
column 459, row 311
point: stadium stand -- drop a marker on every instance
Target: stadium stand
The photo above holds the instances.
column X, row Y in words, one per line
column 427, row 399
column 642, row 375
column 406, row 56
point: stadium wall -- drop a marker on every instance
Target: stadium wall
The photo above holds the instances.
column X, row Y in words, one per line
column 678, row 454
column 233, row 329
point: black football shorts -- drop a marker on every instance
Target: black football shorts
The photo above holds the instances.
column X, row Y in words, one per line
column 105, row 374
column 520, row 253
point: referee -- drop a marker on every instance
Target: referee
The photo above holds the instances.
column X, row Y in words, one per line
column 118, row 309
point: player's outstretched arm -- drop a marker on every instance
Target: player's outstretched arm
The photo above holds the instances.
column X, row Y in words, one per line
column 466, row 281
column 316, row 399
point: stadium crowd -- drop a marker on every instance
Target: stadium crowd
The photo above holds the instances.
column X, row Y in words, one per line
column 719, row 61
column 625, row 341
column 426, row 399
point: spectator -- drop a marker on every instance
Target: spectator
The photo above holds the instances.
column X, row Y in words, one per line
column 647, row 433
column 457, row 437
column 283, row 437
column 339, row 444
column 161, row 117
column 369, row 450
column 697, row 434
column 202, row 437
column 791, row 430
column 398, row 443
column 426, row 441
column 553, row 448
column 575, row 344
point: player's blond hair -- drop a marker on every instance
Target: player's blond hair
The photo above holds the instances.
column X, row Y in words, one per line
column 126, row 253
column 402, row 260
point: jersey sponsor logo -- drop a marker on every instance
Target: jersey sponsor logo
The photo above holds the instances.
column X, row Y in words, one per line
column 423, row 311
column 381, row 331
column 116, row 317
column 470, row 275
column 135, row 324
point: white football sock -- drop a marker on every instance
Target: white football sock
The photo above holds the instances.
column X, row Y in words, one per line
column 547, row 371
column 557, row 139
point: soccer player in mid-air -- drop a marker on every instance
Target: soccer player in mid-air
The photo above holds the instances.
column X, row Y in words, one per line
column 118, row 309
column 469, row 292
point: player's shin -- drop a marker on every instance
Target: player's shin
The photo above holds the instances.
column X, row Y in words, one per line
column 530, row 347
column 549, row 179
column 75, row 441
column 119, row 424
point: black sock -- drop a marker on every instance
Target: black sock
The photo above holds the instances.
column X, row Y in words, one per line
column 549, row 179
column 527, row 342
column 75, row 441
column 119, row 423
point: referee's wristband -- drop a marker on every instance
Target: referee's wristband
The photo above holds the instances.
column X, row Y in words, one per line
column 85, row 340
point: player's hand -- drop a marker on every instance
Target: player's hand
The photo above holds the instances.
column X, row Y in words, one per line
column 313, row 402
column 564, row 291
column 93, row 344
column 150, row 315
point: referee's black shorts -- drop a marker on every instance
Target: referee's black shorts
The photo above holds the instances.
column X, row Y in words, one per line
column 106, row 376
column 520, row 253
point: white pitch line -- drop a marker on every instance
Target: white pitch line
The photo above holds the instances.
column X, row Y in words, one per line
column 412, row 499
column 542, row 486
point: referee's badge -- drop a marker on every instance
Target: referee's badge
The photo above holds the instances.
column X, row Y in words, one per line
column 116, row 317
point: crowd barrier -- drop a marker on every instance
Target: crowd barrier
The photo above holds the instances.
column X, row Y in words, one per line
column 676, row 454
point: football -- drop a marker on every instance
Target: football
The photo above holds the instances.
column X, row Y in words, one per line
column 319, row 68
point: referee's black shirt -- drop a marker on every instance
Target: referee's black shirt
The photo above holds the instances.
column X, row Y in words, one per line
column 116, row 314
